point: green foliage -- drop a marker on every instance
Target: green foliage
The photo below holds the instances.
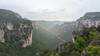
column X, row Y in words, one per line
column 93, row 50
column 70, row 50
column 80, row 42
column 92, row 34
column 6, row 50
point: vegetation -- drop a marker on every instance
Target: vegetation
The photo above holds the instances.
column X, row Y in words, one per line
column 87, row 41
column 83, row 45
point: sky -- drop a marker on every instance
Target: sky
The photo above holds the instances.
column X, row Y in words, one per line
column 51, row 10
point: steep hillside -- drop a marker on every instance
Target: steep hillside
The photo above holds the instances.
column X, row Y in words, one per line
column 65, row 30
column 43, row 38
column 47, row 34
column 14, row 30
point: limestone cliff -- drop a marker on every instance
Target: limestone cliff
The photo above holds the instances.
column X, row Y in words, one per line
column 15, row 30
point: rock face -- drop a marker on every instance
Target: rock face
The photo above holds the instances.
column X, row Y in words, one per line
column 28, row 41
column 14, row 30
column 88, row 20
column 2, row 35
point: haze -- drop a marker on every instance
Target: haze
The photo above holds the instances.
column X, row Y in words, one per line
column 51, row 10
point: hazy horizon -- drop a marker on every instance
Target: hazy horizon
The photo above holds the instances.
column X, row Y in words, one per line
column 51, row 10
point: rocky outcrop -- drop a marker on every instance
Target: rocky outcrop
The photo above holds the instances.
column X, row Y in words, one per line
column 15, row 30
column 27, row 41
column 90, row 19
column 2, row 36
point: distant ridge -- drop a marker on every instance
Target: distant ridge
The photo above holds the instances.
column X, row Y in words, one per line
column 90, row 15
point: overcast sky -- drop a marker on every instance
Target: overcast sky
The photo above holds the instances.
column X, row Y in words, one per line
column 63, row 10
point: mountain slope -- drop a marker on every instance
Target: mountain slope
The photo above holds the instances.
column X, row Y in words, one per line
column 14, row 30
